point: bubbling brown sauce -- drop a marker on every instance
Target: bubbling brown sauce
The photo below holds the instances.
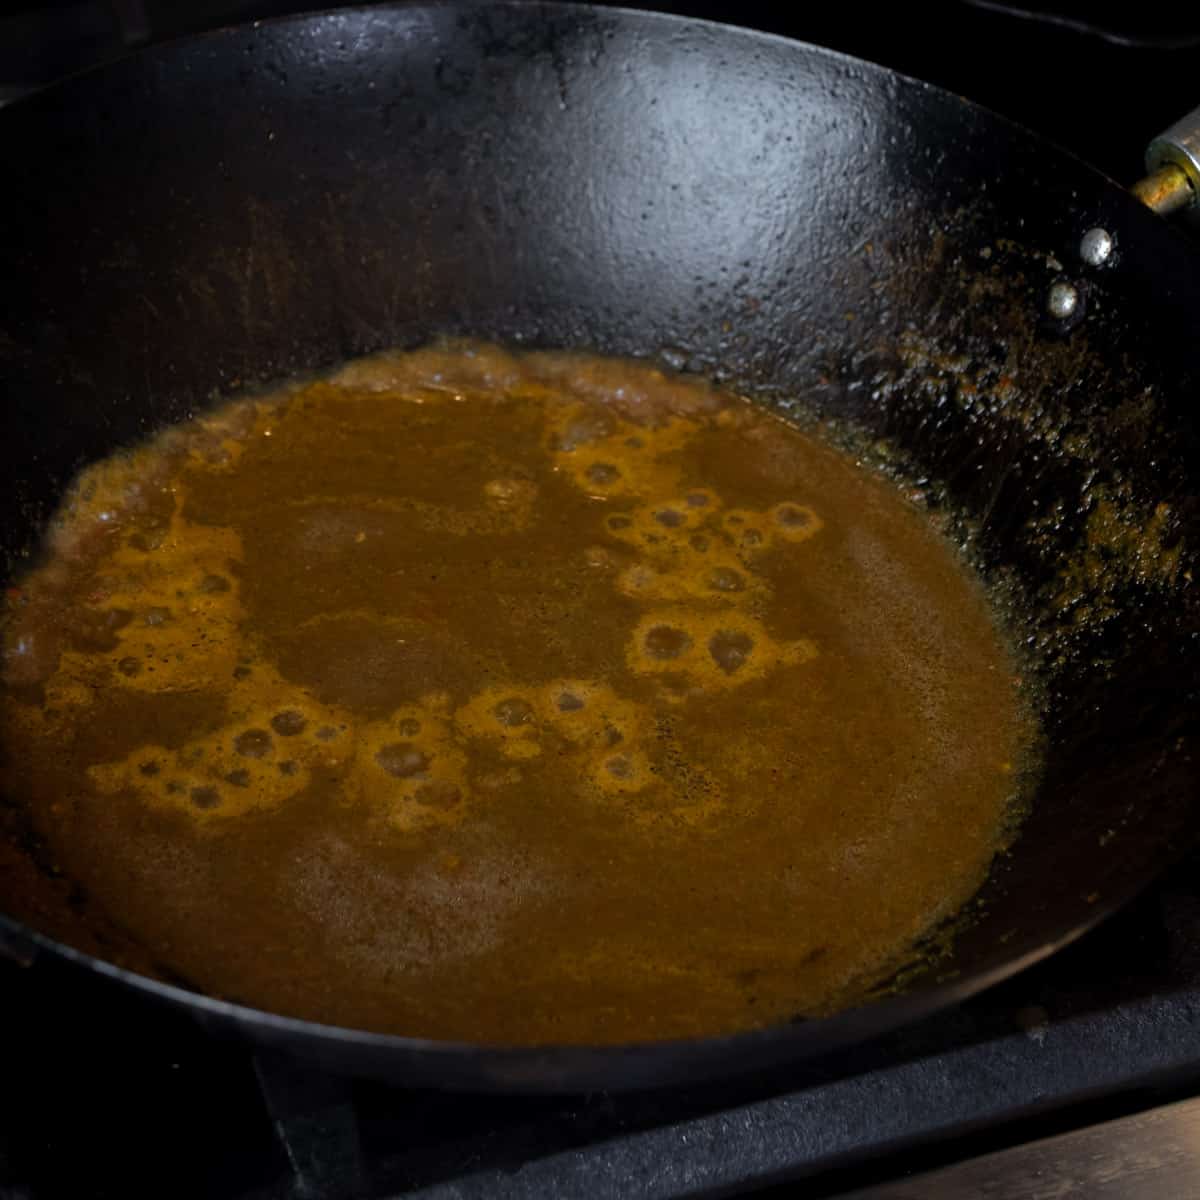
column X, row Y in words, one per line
column 512, row 699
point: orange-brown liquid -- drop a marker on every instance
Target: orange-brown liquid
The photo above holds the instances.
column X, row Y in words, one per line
column 509, row 699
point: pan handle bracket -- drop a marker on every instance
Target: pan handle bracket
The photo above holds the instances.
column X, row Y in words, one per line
column 1172, row 183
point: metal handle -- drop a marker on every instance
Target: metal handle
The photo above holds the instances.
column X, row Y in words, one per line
column 1173, row 163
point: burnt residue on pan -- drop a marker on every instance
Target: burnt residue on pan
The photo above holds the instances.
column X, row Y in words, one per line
column 1061, row 462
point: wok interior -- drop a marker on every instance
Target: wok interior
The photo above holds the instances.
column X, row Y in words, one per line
column 810, row 230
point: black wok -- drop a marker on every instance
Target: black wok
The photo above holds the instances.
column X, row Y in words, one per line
column 810, row 228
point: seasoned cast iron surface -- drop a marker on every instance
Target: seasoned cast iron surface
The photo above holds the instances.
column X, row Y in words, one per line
column 276, row 199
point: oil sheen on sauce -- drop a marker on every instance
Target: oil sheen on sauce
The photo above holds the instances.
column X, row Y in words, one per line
column 511, row 699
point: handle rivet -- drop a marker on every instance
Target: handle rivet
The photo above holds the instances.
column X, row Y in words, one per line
column 1063, row 300
column 1096, row 247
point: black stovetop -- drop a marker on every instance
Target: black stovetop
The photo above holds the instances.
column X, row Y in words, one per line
column 104, row 1096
